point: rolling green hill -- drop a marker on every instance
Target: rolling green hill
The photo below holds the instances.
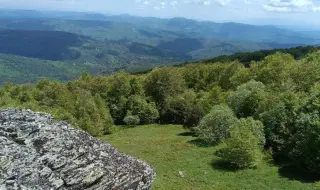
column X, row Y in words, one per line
column 114, row 27
column 195, row 44
column 69, row 43
column 28, row 55
column 18, row 69
column 63, row 46
column 225, row 31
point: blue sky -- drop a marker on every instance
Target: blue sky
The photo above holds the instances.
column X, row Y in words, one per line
column 304, row 13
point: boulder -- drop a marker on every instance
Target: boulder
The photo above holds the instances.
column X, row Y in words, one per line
column 37, row 152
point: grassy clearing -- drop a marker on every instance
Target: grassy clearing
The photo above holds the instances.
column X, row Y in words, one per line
column 171, row 149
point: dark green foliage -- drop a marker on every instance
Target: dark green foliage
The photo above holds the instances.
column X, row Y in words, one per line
column 146, row 111
column 124, row 93
column 215, row 96
column 305, row 142
column 305, row 150
column 225, row 79
column 117, row 96
column 278, row 115
column 246, row 58
column 201, row 77
column 183, row 109
column 162, row 83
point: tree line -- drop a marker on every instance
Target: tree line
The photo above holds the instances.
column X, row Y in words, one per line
column 298, row 52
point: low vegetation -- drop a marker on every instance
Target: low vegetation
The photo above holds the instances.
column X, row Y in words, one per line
column 182, row 161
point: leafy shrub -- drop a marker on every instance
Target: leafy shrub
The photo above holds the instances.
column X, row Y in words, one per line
column 183, row 109
column 225, row 81
column 92, row 115
column 215, row 96
column 215, row 126
column 146, row 111
column 197, row 76
column 278, row 116
column 162, row 83
column 243, row 148
column 305, row 145
column 131, row 120
column 255, row 126
column 245, row 100
column 274, row 71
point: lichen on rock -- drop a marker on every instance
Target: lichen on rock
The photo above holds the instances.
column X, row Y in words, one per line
column 37, row 152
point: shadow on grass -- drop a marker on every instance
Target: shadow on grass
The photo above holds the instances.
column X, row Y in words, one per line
column 128, row 126
column 200, row 143
column 187, row 134
column 221, row 165
column 292, row 172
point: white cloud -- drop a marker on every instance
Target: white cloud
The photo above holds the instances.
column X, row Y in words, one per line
column 222, row 2
column 165, row 3
column 291, row 6
column 249, row 11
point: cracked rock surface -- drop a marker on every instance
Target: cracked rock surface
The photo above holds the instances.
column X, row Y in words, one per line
column 38, row 153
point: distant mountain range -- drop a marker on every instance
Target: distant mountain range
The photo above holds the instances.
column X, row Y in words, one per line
column 108, row 43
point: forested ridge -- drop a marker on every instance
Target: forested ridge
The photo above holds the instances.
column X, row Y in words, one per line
column 63, row 56
column 298, row 52
column 269, row 107
column 62, row 45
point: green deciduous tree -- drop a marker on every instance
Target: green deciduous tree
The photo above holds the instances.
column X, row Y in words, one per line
column 305, row 150
column 243, row 148
column 146, row 111
column 215, row 126
column 183, row 109
column 246, row 99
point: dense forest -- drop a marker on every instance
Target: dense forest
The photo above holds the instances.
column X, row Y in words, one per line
column 270, row 107
column 297, row 52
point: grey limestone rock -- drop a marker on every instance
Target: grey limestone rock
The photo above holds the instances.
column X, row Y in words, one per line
column 37, row 152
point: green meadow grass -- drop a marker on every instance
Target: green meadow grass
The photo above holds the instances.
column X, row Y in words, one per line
column 170, row 149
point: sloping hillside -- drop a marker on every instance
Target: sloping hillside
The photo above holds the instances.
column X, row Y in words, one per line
column 198, row 39
column 63, row 46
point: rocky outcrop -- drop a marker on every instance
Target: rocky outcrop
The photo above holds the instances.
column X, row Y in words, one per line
column 37, row 152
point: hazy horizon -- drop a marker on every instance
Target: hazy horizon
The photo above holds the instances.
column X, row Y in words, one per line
column 293, row 14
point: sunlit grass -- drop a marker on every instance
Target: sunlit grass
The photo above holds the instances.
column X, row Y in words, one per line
column 169, row 149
